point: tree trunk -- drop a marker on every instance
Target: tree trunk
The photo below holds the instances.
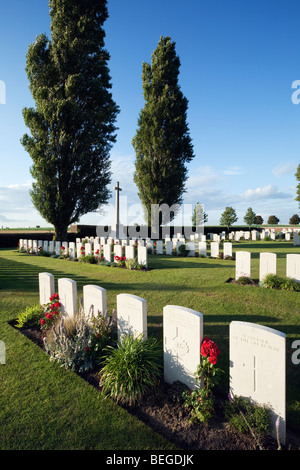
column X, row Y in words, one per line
column 61, row 233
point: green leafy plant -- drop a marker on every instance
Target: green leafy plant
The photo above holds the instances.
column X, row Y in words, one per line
column 131, row 263
column 272, row 281
column 200, row 401
column 131, row 369
column 247, row 416
column 290, row 284
column 243, row 280
column 29, row 317
column 88, row 259
column 182, row 250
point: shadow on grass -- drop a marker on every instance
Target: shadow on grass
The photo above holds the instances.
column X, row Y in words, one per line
column 18, row 275
column 168, row 262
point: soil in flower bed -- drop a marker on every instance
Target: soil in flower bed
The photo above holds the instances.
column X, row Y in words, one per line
column 252, row 282
column 165, row 413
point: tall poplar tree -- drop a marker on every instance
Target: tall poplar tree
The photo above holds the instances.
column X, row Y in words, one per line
column 72, row 125
column 162, row 143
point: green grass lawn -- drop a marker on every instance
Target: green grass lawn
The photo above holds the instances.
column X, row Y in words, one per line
column 45, row 407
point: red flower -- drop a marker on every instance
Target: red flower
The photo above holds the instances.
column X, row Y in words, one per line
column 57, row 305
column 49, row 316
column 86, row 348
column 213, row 359
column 54, row 297
column 43, row 321
column 210, row 349
column 117, row 258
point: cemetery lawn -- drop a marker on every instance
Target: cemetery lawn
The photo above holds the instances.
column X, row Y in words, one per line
column 43, row 406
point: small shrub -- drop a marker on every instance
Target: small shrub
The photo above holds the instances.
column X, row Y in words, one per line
column 243, row 280
column 88, row 259
column 290, row 284
column 131, row 263
column 130, row 370
column 182, row 250
column 245, row 416
column 78, row 346
column 272, row 281
column 29, row 317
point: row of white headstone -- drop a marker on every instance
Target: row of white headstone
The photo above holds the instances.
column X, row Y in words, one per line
column 256, row 357
column 106, row 252
column 116, row 248
column 267, row 265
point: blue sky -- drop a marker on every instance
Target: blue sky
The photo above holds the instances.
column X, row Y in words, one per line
column 239, row 60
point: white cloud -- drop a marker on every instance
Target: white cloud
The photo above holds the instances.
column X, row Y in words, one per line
column 284, row 169
column 232, row 171
column 269, row 191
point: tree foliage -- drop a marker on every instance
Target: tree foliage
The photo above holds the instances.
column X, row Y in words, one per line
column 294, row 220
column 228, row 217
column 162, row 143
column 250, row 217
column 273, row 220
column 199, row 217
column 72, row 125
column 259, row 220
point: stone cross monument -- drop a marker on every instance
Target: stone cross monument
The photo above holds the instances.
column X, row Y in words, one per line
column 117, row 189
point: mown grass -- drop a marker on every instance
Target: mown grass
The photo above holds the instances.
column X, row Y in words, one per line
column 45, row 407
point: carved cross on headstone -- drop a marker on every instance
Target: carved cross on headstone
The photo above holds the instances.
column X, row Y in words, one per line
column 117, row 189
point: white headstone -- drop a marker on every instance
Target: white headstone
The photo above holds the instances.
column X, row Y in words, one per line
column 131, row 315
column 202, row 249
column 46, row 287
column 150, row 246
column 267, row 264
column 118, row 251
column 2, row 352
column 65, row 248
column 72, row 249
column 107, row 252
column 258, row 368
column 67, row 291
column 51, row 247
column 159, row 247
column 94, row 300
column 183, row 335
column 142, row 256
column 190, row 246
column 46, row 246
column 243, row 264
column 227, row 249
column 88, row 249
column 293, row 266
column 129, row 252
column 214, row 249
column 169, row 247
column 79, row 249
column 58, row 248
